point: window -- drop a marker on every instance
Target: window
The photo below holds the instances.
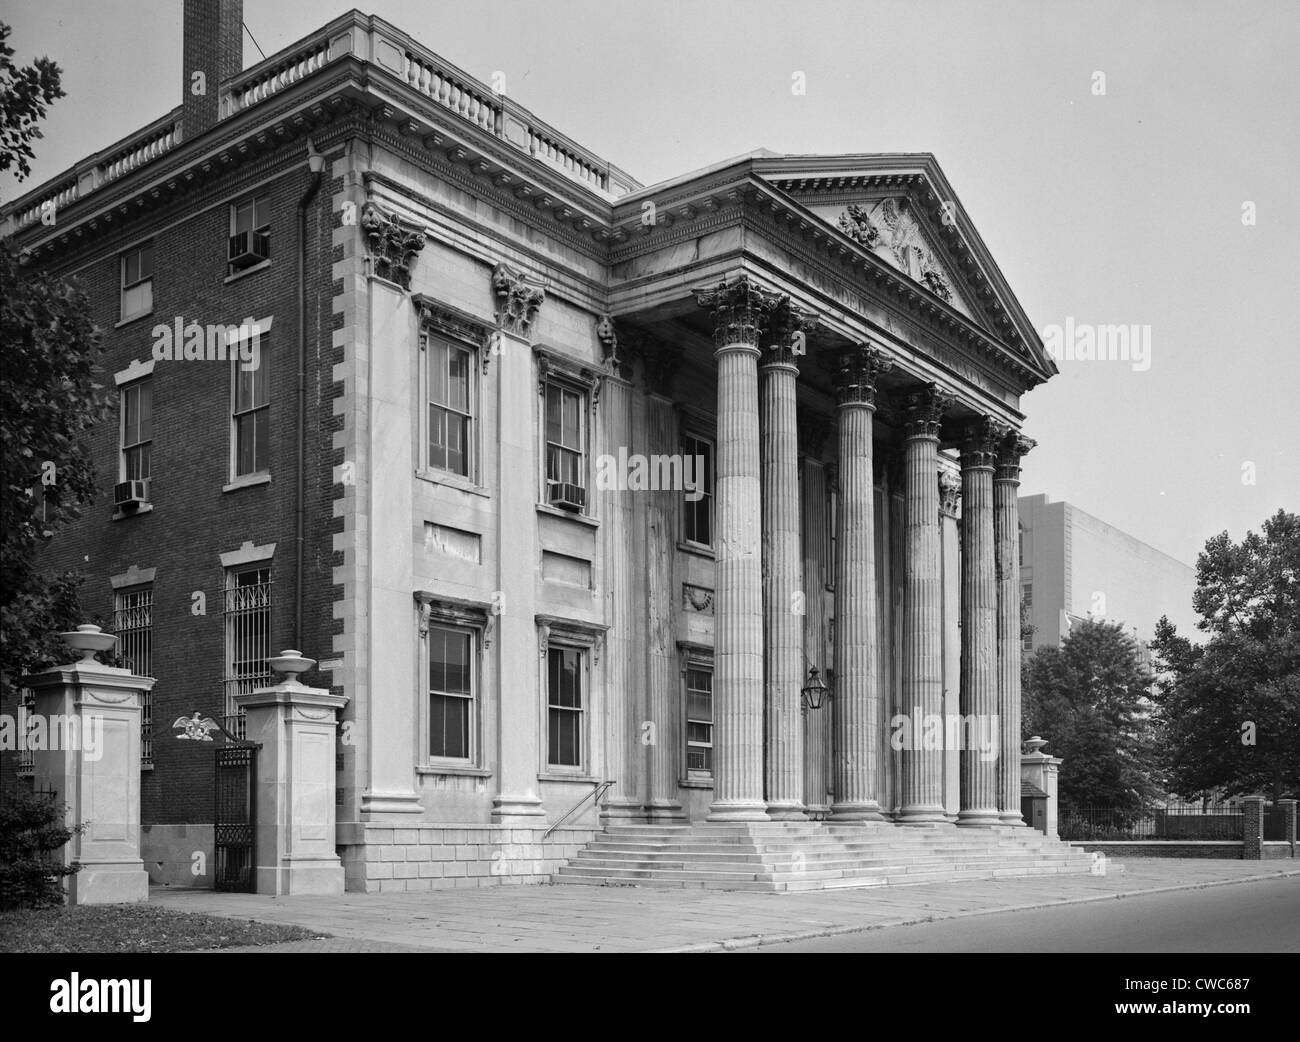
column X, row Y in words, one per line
column 451, row 692
column 137, row 429
column 133, row 624
column 564, row 706
column 697, row 516
column 1021, row 560
column 137, row 282
column 699, row 718
column 566, row 446
column 1026, row 613
column 451, row 411
column 248, row 637
column 250, row 233
column 251, row 413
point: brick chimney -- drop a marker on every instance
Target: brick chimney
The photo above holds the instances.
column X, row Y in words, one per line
column 214, row 46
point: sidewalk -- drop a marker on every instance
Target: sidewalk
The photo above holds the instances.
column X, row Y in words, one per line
column 568, row 918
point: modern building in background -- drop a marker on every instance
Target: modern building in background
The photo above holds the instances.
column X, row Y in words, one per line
column 1075, row 566
column 462, row 316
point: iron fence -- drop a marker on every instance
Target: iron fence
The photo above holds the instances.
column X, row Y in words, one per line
column 1167, row 821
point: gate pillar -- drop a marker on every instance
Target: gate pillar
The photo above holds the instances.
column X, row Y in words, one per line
column 88, row 754
column 294, row 793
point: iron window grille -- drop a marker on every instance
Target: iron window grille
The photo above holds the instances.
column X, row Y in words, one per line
column 133, row 624
column 248, row 638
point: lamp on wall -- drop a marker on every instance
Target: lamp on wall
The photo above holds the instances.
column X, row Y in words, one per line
column 814, row 693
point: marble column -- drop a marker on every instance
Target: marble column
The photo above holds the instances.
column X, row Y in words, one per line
column 922, row 799
column 662, row 675
column 1006, row 524
column 856, row 698
column 738, row 308
column 981, row 732
column 621, row 588
column 783, row 596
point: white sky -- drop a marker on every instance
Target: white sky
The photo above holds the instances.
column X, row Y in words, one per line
column 1117, row 209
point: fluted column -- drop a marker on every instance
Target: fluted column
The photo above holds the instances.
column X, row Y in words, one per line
column 1006, row 523
column 738, row 308
column 622, row 612
column 856, row 699
column 783, row 607
column 979, row 608
column 662, row 674
column 922, row 604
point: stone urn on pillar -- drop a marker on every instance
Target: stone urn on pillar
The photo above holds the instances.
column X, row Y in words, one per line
column 296, row 726
column 88, row 715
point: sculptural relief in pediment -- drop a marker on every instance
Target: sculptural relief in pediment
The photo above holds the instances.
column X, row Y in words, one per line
column 888, row 228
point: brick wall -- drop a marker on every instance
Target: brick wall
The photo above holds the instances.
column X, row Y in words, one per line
column 192, row 520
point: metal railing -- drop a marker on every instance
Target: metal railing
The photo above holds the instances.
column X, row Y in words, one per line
column 1168, row 821
column 595, row 793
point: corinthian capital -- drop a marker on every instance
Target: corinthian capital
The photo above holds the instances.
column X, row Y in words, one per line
column 980, row 442
column 739, row 309
column 1010, row 449
column 519, row 295
column 856, row 373
column 785, row 333
column 925, row 409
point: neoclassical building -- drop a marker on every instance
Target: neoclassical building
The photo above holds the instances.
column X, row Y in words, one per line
column 789, row 609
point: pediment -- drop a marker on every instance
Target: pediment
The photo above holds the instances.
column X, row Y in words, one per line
column 902, row 209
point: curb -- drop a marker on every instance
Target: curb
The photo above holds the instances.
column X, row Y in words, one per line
column 759, row 940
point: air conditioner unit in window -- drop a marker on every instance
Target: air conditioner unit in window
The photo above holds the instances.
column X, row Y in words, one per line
column 249, row 248
column 131, row 495
column 567, row 496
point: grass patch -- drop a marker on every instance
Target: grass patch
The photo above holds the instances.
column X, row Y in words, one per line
column 134, row 928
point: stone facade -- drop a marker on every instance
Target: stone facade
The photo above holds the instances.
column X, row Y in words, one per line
column 495, row 322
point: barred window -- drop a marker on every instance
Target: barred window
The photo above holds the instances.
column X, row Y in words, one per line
column 137, row 429
column 699, row 718
column 248, row 637
column 564, row 706
column 451, row 692
column 1026, row 612
column 27, row 710
column 133, row 623
column 451, row 406
column 697, row 513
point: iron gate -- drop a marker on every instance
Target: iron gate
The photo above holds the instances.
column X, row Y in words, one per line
column 235, row 818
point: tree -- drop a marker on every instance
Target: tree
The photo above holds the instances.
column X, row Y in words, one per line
column 1089, row 699
column 48, row 400
column 1230, row 708
column 24, row 93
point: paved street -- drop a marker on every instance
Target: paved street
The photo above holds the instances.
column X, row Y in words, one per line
column 1248, row 917
column 628, row 919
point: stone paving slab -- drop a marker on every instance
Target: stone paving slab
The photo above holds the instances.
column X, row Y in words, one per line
column 575, row 918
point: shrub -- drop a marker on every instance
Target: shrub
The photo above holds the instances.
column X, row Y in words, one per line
column 32, row 838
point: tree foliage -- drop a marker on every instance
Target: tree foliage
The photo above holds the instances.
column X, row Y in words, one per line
column 1088, row 698
column 1230, row 707
column 49, row 399
column 24, row 93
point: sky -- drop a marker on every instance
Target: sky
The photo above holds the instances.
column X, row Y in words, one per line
column 1133, row 163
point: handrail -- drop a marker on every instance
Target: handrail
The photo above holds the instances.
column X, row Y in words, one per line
column 597, row 792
